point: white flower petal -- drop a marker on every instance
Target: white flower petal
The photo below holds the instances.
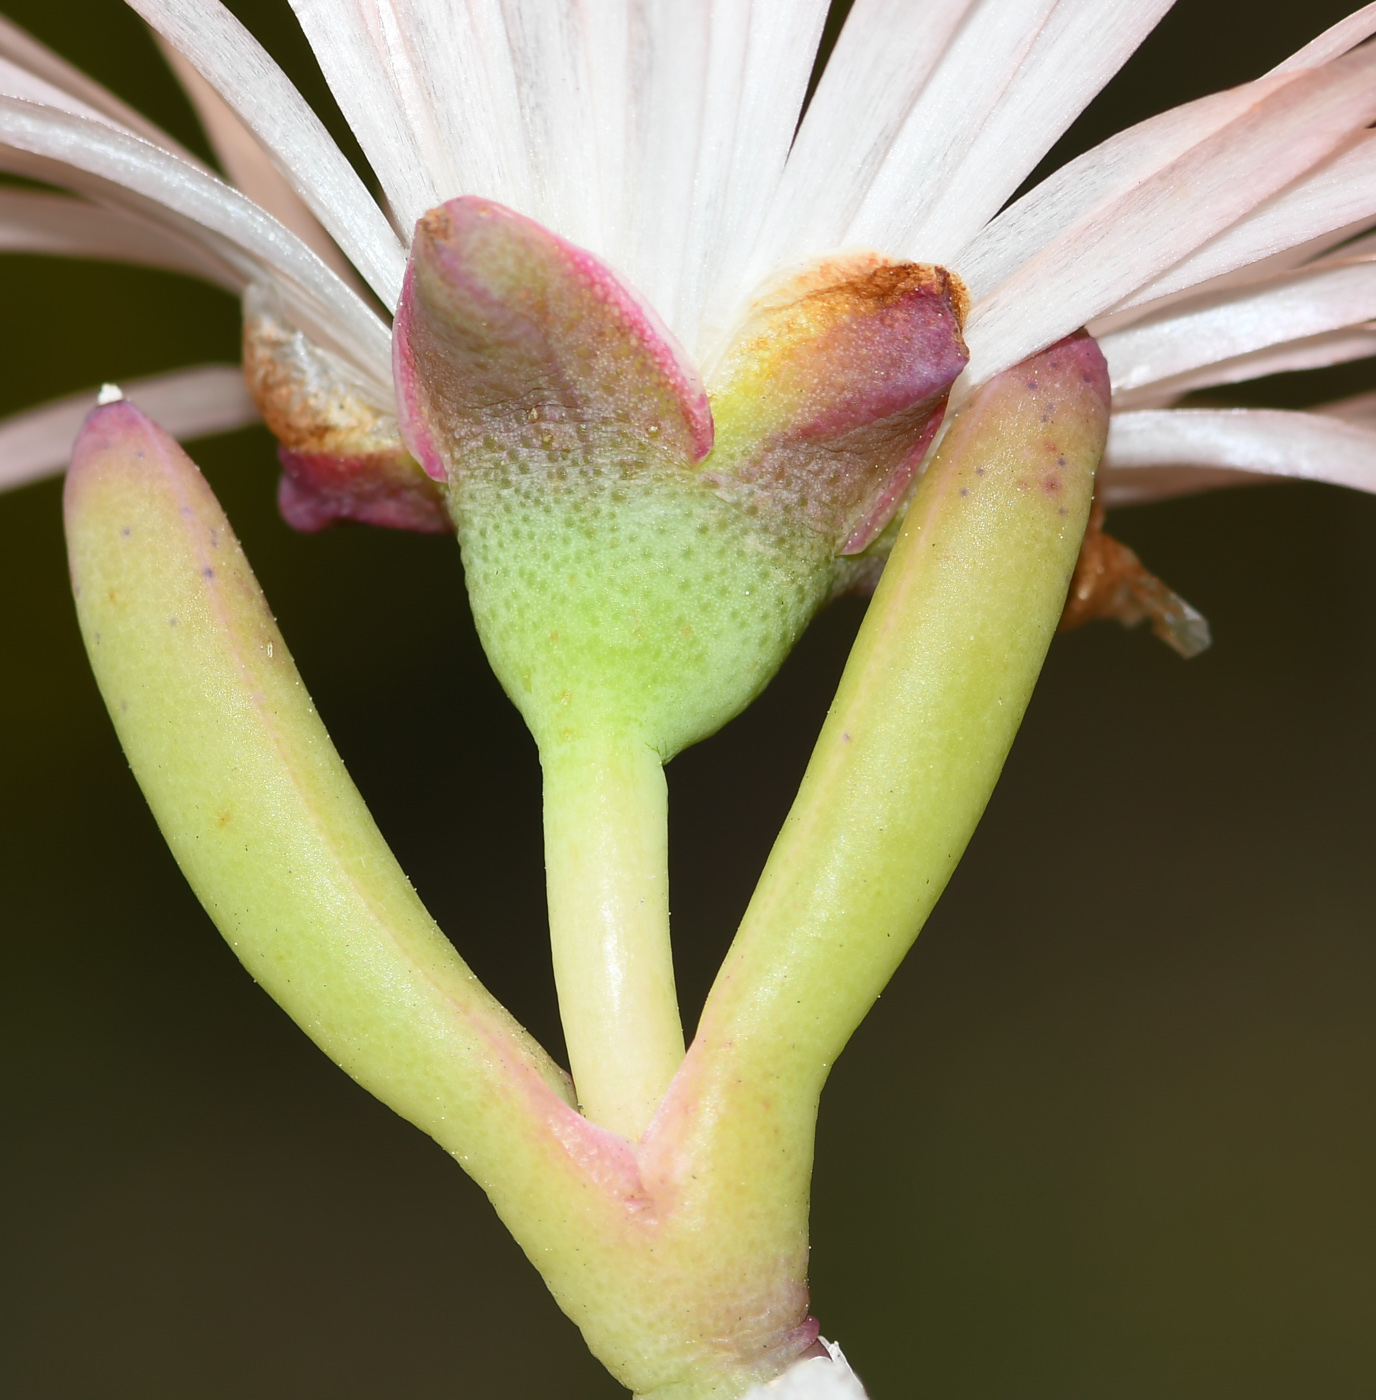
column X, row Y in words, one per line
column 1226, row 325
column 114, row 157
column 249, row 166
column 1016, row 76
column 1359, row 409
column 1333, row 42
column 669, row 53
column 1312, row 352
column 369, row 60
column 189, row 403
column 242, row 72
column 35, row 222
column 1156, row 452
column 762, row 53
column 26, row 52
column 1135, row 234
column 21, row 83
column 551, row 58
column 1095, row 180
column 883, row 58
column 463, row 54
column 1336, row 196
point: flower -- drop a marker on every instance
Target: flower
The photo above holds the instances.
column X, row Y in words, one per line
column 1199, row 245
column 1092, row 251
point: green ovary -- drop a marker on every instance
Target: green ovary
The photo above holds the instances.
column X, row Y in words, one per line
column 613, row 602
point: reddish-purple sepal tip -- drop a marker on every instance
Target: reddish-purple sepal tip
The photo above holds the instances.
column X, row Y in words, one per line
column 507, row 338
column 829, row 399
column 317, row 491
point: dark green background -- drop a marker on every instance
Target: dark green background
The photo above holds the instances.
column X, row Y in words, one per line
column 1109, row 1134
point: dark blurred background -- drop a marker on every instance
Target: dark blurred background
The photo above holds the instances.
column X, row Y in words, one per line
column 1109, row 1133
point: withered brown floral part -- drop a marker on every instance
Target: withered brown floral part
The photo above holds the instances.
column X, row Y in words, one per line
column 342, row 458
column 1111, row 582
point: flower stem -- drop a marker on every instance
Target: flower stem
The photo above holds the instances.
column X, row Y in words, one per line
column 606, row 868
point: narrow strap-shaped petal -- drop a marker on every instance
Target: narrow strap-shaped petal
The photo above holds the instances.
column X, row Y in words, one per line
column 35, row 222
column 1097, row 178
column 366, row 56
column 249, row 166
column 159, row 176
column 987, row 117
column 26, row 52
column 550, row 57
column 1131, row 238
column 19, row 82
column 1310, row 352
column 1202, row 331
column 189, row 403
column 1359, row 409
column 668, row 55
column 975, row 74
column 461, row 56
column 243, row 73
column 1114, row 168
column 1153, row 452
column 1333, row 42
column 884, row 56
column 762, row 53
column 1334, row 197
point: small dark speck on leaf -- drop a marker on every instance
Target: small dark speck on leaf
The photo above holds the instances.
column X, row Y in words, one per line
column 979, row 471
column 171, row 621
column 127, row 531
column 1060, row 461
column 1062, row 511
column 845, row 736
column 207, row 572
column 123, row 706
column 964, row 490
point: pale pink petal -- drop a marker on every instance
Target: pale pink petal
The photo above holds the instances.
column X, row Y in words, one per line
column 1333, row 42
column 26, row 52
column 762, row 56
column 1334, row 199
column 1128, row 239
column 1015, row 77
column 249, row 166
column 1359, row 409
column 189, row 403
column 243, row 73
column 1313, row 352
column 1156, row 452
column 1097, row 179
column 373, row 64
column 198, row 197
column 886, row 53
column 1227, row 325
column 35, row 222
column 1140, row 486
